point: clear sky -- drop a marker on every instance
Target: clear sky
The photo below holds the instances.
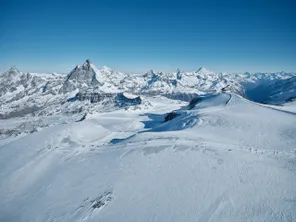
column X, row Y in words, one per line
column 135, row 36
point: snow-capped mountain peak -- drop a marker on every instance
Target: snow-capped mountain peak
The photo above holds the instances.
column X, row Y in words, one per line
column 204, row 71
column 88, row 73
column 83, row 73
column 87, row 63
column 103, row 71
column 11, row 72
column 149, row 73
column 88, row 76
column 14, row 69
column 106, row 69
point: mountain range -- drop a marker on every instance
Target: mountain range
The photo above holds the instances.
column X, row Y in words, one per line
column 102, row 145
column 87, row 78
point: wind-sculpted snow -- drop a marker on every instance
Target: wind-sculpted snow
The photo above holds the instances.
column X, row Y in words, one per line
column 221, row 158
column 188, row 116
column 87, row 89
column 101, row 145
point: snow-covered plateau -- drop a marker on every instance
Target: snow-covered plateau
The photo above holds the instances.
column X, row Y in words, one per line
column 102, row 145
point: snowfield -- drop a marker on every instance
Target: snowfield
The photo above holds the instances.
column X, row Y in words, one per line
column 220, row 157
column 230, row 160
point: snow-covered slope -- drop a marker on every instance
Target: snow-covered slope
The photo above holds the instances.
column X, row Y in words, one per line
column 223, row 158
column 35, row 99
column 277, row 92
column 100, row 145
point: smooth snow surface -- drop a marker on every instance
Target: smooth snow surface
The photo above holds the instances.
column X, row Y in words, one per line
column 225, row 159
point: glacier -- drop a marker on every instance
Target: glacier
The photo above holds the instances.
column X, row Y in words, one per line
column 102, row 145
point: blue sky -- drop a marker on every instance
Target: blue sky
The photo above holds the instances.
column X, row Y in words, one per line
column 135, row 36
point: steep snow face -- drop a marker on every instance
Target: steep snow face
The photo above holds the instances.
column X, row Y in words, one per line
column 277, row 92
column 225, row 159
column 114, row 77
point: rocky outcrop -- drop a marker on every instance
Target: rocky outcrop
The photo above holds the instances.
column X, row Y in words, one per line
column 123, row 101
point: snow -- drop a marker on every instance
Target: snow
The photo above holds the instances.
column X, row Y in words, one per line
column 235, row 163
column 290, row 107
column 221, row 157
column 129, row 95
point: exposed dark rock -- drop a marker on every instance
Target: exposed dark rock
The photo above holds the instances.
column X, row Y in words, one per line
column 170, row 116
column 193, row 102
column 82, row 118
column 93, row 97
column 291, row 99
column 123, row 101
column 226, row 88
column 102, row 200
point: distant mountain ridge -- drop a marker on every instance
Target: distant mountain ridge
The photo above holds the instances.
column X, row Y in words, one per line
column 21, row 92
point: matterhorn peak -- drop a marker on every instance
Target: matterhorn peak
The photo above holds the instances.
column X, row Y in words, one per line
column 88, row 75
column 87, row 63
column 83, row 73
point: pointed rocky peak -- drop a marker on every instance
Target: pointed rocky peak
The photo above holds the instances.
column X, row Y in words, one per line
column 150, row 73
column 12, row 72
column 88, row 75
column 83, row 73
column 87, row 62
column 87, row 65
column 13, row 69
column 203, row 71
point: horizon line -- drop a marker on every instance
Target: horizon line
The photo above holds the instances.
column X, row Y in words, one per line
column 142, row 72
